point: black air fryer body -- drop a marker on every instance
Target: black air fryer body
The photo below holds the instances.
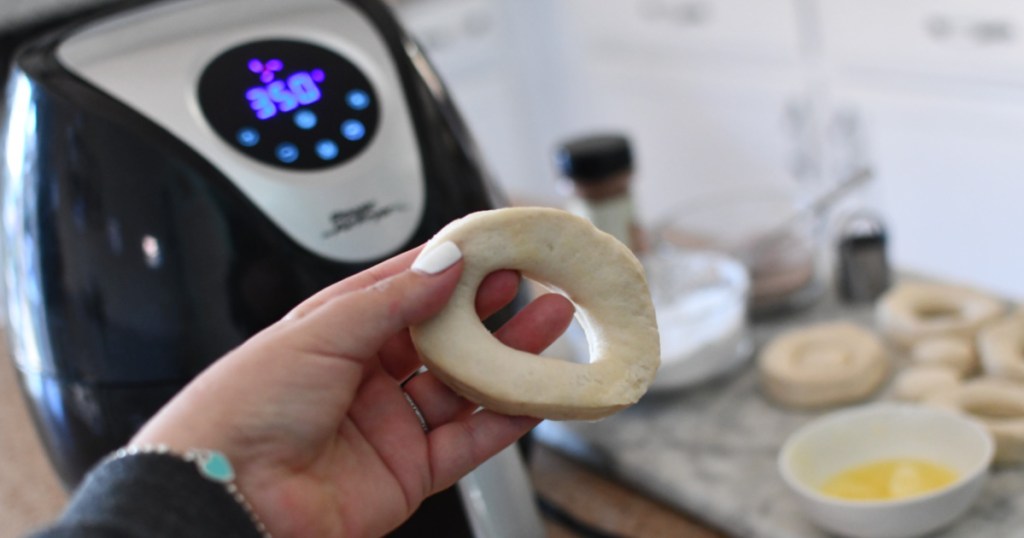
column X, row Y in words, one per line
column 180, row 174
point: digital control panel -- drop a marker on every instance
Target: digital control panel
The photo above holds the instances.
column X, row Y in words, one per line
column 289, row 104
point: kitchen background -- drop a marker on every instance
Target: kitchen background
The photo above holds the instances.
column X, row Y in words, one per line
column 720, row 94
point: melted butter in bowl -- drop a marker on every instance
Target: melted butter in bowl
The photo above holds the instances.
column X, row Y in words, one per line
column 889, row 479
column 886, row 470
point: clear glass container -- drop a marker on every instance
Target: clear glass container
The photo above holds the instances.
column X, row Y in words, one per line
column 763, row 229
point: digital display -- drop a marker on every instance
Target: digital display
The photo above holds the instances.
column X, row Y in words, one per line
column 289, row 104
column 282, row 95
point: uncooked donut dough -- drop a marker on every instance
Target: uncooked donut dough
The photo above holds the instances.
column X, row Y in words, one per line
column 920, row 382
column 823, row 365
column 598, row 273
column 913, row 311
column 956, row 354
column 999, row 405
column 1001, row 346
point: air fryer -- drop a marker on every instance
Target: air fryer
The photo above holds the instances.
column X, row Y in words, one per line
column 178, row 175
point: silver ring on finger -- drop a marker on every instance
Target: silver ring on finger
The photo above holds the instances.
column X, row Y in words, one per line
column 419, row 414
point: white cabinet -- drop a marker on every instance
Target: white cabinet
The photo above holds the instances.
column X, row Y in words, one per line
column 751, row 30
column 712, row 92
column 980, row 40
column 476, row 46
column 932, row 93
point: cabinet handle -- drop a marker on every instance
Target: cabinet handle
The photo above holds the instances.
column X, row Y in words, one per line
column 992, row 32
column 693, row 13
column 683, row 13
column 938, row 27
column 982, row 31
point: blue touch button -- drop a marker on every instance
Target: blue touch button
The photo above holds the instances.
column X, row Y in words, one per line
column 357, row 99
column 287, row 152
column 248, row 137
column 327, row 150
column 353, row 130
column 305, row 119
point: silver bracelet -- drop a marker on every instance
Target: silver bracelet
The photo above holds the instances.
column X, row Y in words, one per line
column 211, row 464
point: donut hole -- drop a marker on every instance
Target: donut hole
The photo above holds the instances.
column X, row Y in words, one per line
column 938, row 312
column 989, row 410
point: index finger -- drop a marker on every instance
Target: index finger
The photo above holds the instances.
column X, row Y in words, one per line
column 364, row 279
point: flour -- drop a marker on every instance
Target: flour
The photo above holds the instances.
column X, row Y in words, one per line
column 700, row 303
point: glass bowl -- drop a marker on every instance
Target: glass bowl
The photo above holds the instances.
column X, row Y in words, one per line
column 762, row 228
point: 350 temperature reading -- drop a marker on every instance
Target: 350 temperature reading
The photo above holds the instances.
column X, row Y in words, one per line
column 281, row 96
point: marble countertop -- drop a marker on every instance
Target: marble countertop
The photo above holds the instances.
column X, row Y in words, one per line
column 712, row 451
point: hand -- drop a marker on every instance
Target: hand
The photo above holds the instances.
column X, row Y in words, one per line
column 312, row 415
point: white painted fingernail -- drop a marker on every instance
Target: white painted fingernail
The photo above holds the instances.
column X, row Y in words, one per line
column 436, row 259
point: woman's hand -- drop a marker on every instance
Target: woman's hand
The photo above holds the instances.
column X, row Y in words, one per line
column 313, row 414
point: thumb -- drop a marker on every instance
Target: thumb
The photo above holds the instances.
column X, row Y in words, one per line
column 355, row 325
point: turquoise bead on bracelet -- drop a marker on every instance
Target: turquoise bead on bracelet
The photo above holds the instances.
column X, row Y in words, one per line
column 213, row 465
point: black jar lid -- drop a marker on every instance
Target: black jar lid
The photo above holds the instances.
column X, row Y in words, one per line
column 593, row 158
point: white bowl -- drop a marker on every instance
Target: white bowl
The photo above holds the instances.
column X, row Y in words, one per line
column 700, row 299
column 861, row 435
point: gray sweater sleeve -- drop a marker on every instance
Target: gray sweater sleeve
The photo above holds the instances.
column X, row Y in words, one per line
column 153, row 496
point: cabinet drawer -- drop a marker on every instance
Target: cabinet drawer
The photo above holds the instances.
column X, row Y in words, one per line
column 751, row 28
column 977, row 39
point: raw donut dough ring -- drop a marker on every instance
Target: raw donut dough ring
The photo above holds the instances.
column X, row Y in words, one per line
column 597, row 272
column 823, row 365
column 1001, row 346
column 956, row 354
column 996, row 403
column 914, row 311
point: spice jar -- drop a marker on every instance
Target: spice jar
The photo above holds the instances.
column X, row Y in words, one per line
column 600, row 170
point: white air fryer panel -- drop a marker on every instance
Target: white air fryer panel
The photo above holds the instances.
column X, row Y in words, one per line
column 152, row 58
